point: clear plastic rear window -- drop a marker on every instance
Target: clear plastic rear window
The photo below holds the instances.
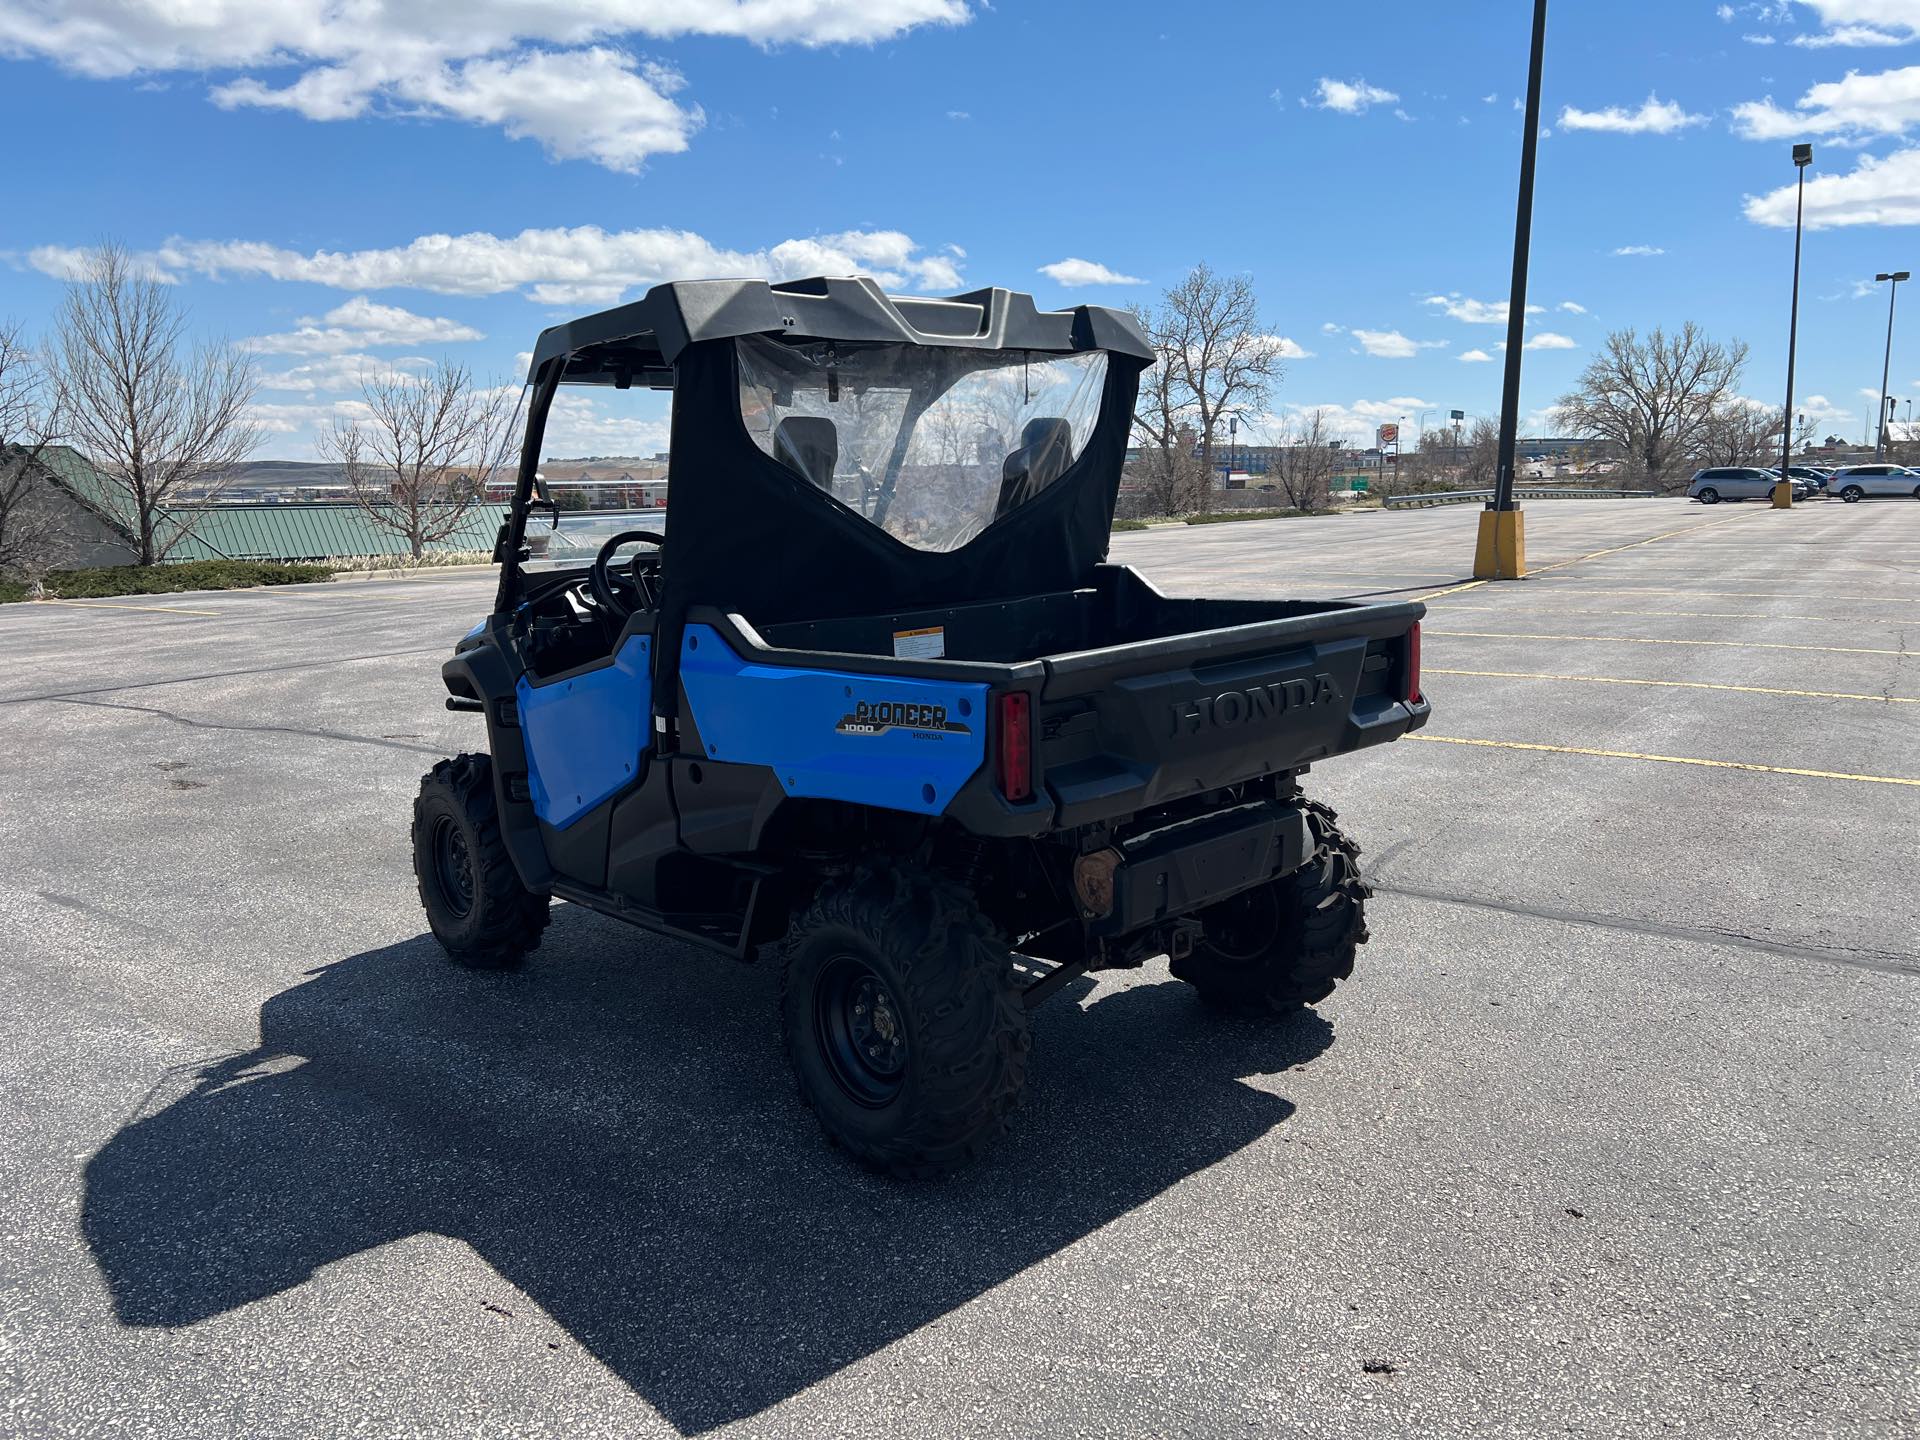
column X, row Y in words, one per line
column 930, row 443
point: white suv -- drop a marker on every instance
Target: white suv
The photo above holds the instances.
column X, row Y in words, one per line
column 1730, row 482
column 1856, row 482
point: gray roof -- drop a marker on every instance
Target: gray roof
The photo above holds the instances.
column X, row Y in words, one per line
column 638, row 343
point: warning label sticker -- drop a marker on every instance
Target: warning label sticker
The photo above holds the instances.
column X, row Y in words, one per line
column 928, row 644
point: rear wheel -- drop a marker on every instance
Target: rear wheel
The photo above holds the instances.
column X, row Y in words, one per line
column 1709, row 495
column 902, row 1021
column 476, row 906
column 1852, row 494
column 1287, row 943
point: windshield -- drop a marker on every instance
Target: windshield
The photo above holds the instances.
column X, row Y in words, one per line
column 930, row 443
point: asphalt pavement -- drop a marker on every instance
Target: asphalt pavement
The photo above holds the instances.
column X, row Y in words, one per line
column 1615, row 1131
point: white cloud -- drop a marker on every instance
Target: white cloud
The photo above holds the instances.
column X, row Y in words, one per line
column 360, row 324
column 1851, row 36
column 1823, row 411
column 585, row 425
column 1725, row 12
column 958, row 115
column 1760, row 39
column 558, row 72
column 1638, row 250
column 1875, row 192
column 1289, row 349
column 1355, row 422
column 1548, row 340
column 1474, row 357
column 1392, row 345
column 577, row 265
column 1329, row 328
column 1857, row 107
column 1071, row 272
column 1349, row 97
column 1654, row 117
column 332, row 374
column 1475, row 312
column 1572, row 307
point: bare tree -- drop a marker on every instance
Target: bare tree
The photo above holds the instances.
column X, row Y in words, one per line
column 1215, row 359
column 29, row 422
column 157, row 420
column 418, row 460
column 1482, row 458
column 1170, row 472
column 1656, row 398
column 1303, row 462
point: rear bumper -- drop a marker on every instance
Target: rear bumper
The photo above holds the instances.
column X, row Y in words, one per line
column 1180, row 869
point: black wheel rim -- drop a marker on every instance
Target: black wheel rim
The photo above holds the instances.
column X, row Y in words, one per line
column 452, row 865
column 861, row 1031
column 1242, row 930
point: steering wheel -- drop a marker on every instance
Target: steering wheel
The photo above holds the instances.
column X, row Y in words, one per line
column 607, row 588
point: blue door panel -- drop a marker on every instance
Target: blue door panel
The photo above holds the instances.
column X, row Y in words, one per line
column 836, row 735
column 585, row 735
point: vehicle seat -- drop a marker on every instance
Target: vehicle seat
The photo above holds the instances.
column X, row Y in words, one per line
column 810, row 445
column 1046, row 449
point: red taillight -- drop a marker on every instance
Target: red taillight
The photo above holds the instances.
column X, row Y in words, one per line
column 1412, row 696
column 1016, row 746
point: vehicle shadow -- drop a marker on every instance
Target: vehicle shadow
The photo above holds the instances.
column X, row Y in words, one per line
column 617, row 1135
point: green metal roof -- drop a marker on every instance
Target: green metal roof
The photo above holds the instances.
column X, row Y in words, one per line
column 254, row 531
column 317, row 531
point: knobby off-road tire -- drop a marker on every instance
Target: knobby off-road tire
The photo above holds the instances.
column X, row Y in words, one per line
column 478, row 910
column 902, row 1021
column 1285, row 944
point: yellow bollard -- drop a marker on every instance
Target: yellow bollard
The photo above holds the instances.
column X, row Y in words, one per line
column 1501, row 553
column 1783, row 495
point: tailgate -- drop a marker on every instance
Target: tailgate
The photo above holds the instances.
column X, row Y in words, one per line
column 1130, row 726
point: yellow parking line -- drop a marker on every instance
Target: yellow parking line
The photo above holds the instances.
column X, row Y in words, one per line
column 1456, row 590
column 1679, row 685
column 1649, row 640
column 1631, row 545
column 1666, row 759
column 1802, row 595
column 1692, row 615
column 110, row 605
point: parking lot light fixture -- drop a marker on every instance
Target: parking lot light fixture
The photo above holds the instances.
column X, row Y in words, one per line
column 1783, row 489
column 1886, row 365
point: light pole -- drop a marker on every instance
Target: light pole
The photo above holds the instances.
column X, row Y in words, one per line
column 1893, row 290
column 1501, row 551
column 1783, row 491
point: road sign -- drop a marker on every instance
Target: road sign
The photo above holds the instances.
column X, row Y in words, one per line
column 1458, row 415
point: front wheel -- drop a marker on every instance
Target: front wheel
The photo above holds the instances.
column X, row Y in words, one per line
column 1287, row 943
column 476, row 906
column 1852, row 494
column 902, row 1022
column 1709, row 496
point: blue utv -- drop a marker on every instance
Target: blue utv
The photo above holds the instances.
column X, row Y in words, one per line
column 875, row 702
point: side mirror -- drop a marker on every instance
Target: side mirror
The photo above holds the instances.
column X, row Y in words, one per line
column 544, row 496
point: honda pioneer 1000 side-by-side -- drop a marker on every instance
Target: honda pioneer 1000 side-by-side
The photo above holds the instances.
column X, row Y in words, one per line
column 874, row 700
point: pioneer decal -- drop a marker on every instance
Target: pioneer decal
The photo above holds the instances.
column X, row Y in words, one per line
column 1232, row 708
column 873, row 717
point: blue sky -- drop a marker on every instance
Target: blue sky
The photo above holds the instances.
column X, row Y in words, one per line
column 397, row 180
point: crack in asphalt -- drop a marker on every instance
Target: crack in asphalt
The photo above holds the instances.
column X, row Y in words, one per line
column 296, row 730
column 1875, row 960
column 225, row 675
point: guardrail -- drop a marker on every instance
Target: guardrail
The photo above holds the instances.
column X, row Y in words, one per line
column 1520, row 492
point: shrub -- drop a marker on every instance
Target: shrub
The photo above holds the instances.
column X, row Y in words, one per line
column 1220, row 517
column 1120, row 525
column 166, row 579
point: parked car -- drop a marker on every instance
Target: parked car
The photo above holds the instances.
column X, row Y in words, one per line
column 1815, row 477
column 1857, row 482
column 1733, row 482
